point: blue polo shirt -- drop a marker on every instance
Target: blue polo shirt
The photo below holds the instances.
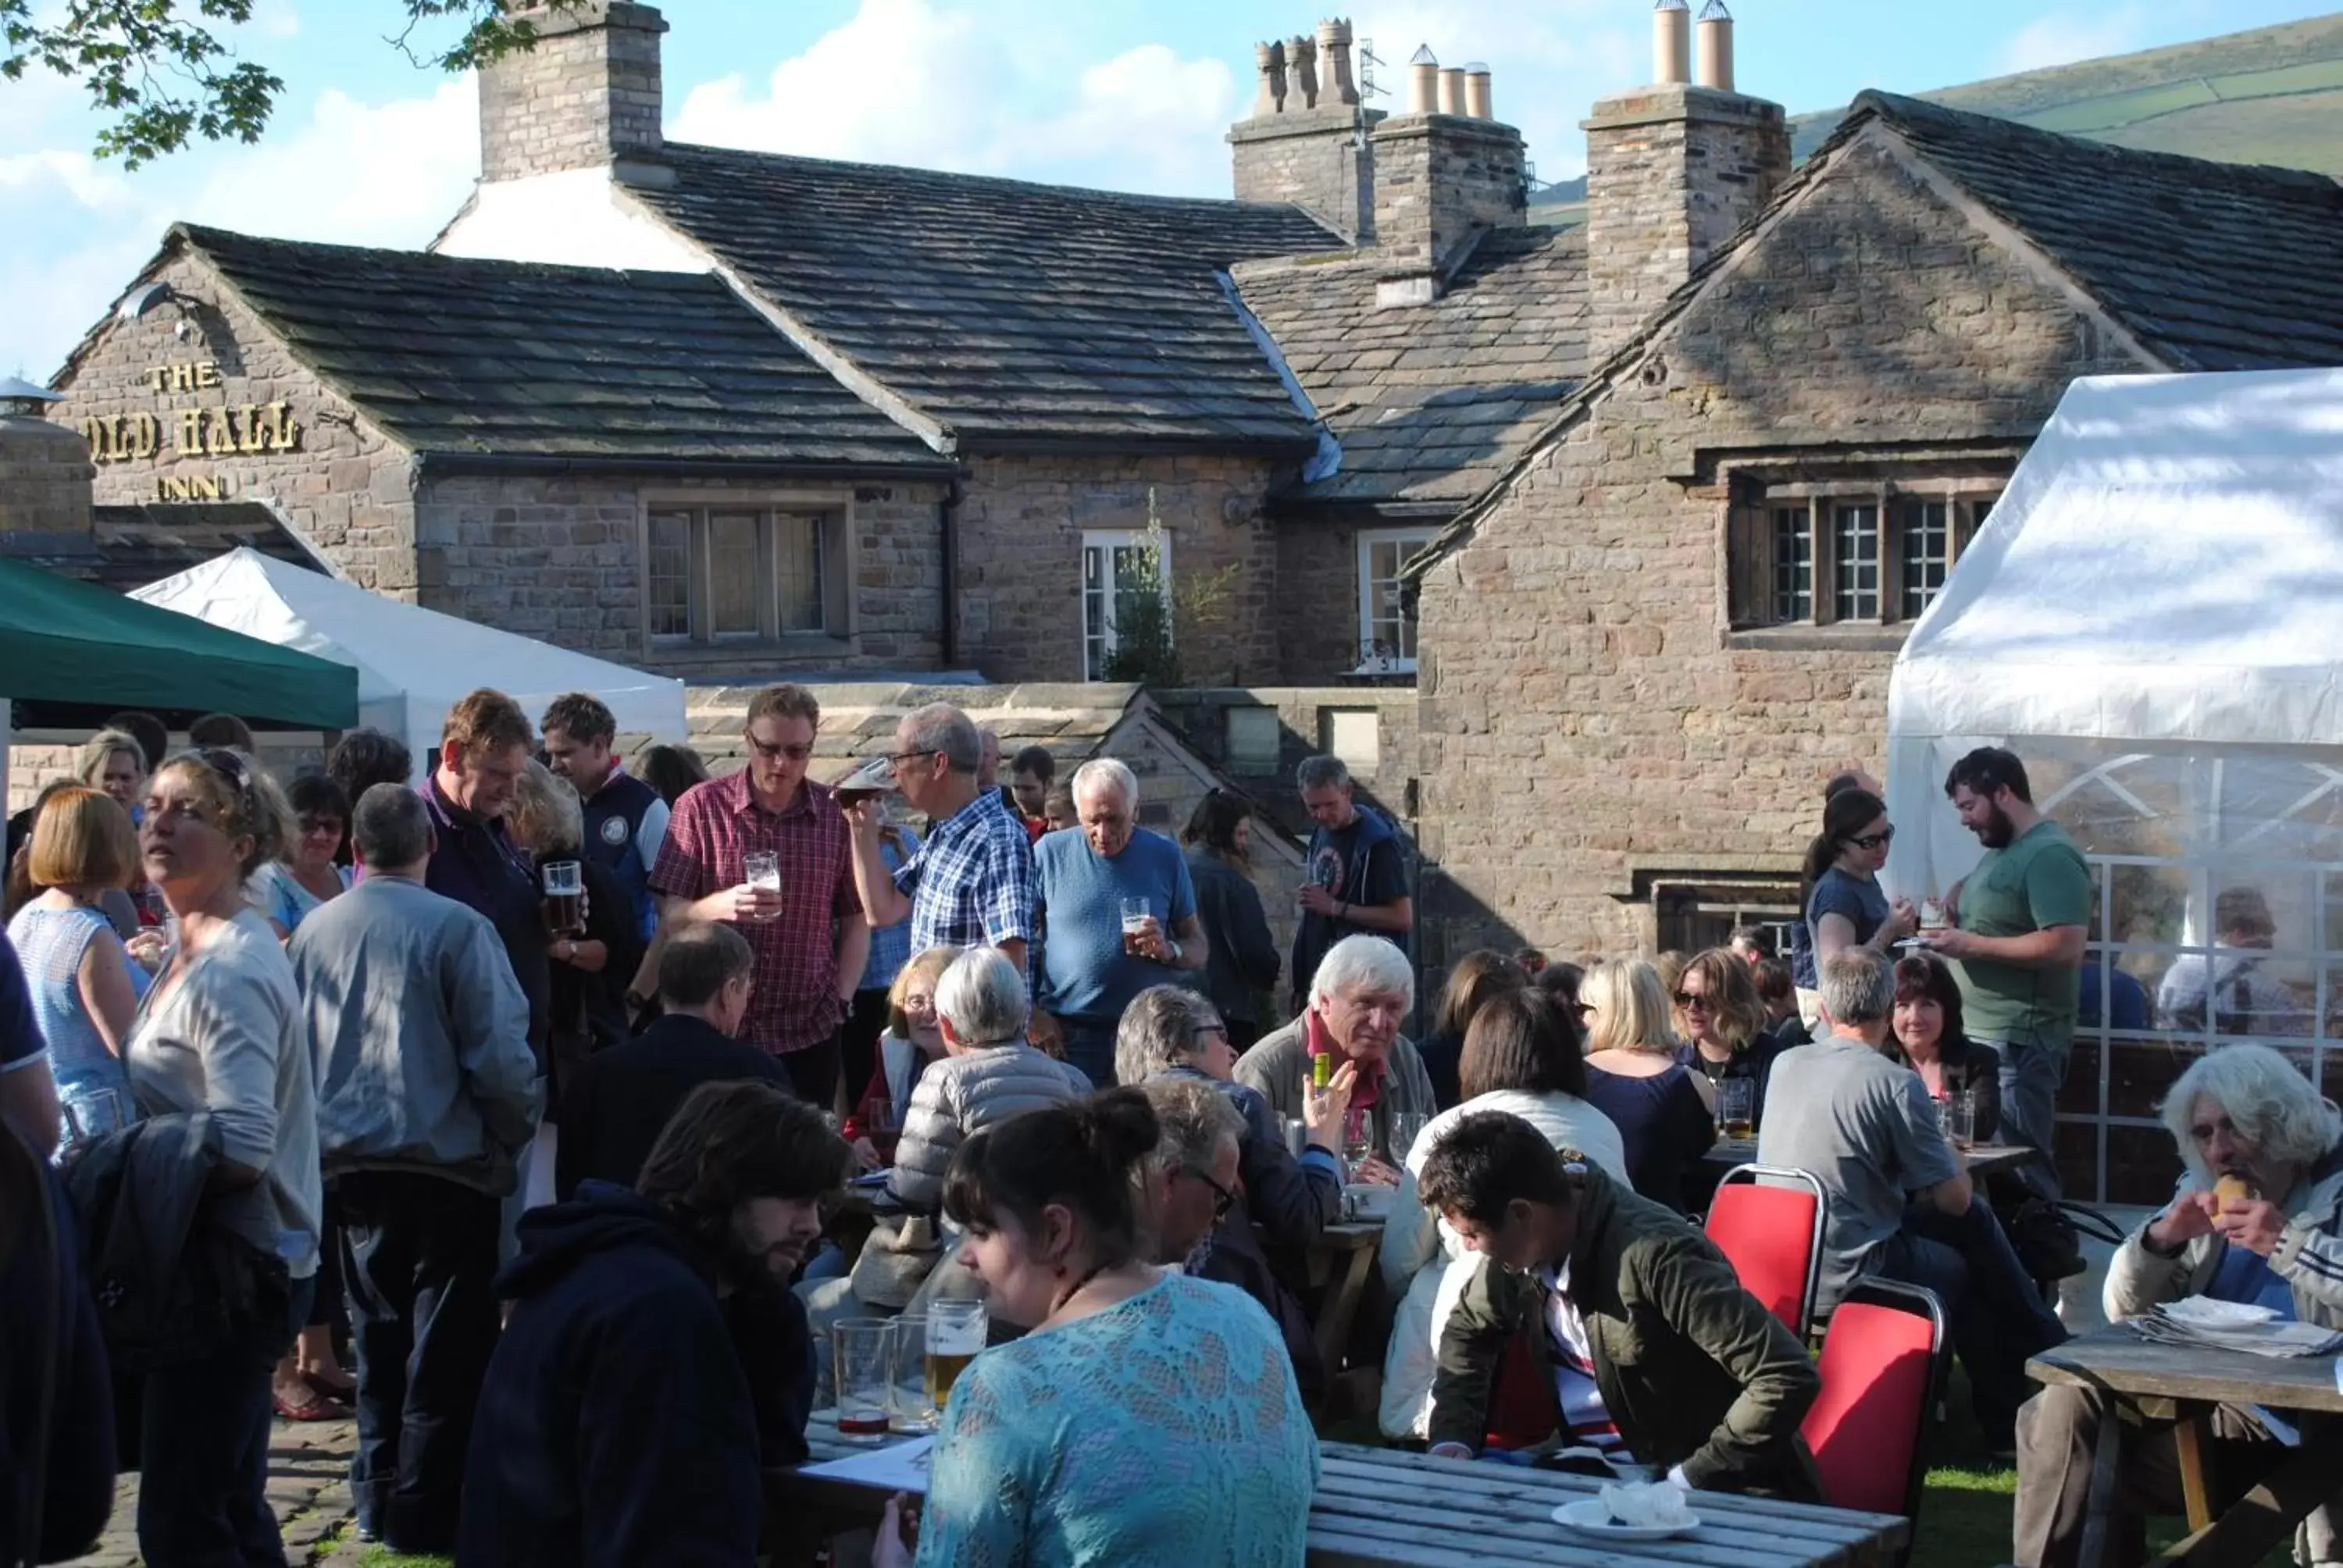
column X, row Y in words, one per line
column 1085, row 971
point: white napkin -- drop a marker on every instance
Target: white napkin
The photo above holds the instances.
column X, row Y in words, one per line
column 2205, row 1313
column 1658, row 1505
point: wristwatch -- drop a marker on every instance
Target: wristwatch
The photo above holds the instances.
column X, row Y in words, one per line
column 1177, row 952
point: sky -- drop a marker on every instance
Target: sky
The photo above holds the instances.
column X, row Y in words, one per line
column 365, row 148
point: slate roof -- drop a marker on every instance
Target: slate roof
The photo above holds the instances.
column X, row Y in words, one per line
column 132, row 545
column 2214, row 267
column 1008, row 312
column 452, row 356
column 1431, row 402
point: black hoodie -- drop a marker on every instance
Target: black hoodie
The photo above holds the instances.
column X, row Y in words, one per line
column 627, row 1409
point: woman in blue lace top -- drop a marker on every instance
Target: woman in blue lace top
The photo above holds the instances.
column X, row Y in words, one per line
column 1148, row 1417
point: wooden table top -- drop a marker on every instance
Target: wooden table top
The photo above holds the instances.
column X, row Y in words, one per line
column 2121, row 1362
column 1377, row 1507
column 1985, row 1158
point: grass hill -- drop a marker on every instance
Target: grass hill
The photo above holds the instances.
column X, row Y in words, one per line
column 2273, row 96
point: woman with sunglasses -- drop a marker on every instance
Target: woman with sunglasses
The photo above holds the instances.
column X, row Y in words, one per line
column 221, row 1033
column 1845, row 906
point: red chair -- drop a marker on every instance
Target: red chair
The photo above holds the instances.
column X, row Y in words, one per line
column 1773, row 1237
column 1883, row 1368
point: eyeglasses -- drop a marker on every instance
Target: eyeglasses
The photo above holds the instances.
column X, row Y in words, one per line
column 1223, row 1198
column 769, row 753
column 1874, row 841
column 1689, row 1000
column 900, row 758
column 1205, row 1033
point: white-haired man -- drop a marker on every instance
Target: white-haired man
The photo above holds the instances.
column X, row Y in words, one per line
column 2257, row 1219
column 1361, row 993
column 1098, row 949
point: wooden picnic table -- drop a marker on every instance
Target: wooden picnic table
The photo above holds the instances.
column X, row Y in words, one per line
column 1985, row 1158
column 1379, row 1507
column 2192, row 1379
column 1340, row 1262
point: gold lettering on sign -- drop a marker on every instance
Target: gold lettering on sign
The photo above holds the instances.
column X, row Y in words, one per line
column 222, row 425
column 191, row 432
column 193, row 487
column 145, row 434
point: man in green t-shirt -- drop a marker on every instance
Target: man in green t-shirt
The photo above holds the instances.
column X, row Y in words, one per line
column 2019, row 922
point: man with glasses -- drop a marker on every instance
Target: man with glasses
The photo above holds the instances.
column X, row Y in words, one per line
column 972, row 883
column 767, row 850
column 2018, row 926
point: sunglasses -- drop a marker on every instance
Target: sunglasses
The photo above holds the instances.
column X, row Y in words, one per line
column 1874, row 841
column 1688, row 1000
column 771, row 753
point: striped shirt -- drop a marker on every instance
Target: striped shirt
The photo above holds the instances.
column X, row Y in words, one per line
column 1571, row 1353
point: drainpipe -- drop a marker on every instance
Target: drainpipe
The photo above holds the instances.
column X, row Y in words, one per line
column 948, row 525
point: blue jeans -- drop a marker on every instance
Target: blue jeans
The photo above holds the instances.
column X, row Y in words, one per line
column 203, row 1487
column 1089, row 1045
column 2031, row 1076
column 1996, row 1317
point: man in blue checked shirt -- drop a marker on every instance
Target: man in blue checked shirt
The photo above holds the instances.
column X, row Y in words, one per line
column 972, row 883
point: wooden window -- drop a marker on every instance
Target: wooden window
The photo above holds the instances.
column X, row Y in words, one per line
column 1386, row 621
column 1925, row 547
column 735, row 574
column 1855, row 551
column 1793, row 564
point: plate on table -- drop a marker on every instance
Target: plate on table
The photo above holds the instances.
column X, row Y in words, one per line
column 1588, row 1517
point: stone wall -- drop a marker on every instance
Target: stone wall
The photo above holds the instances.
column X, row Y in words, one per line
column 45, row 476
column 221, row 411
column 1587, row 718
column 1438, row 178
column 1314, row 159
column 588, row 93
column 1672, row 173
column 560, row 558
column 36, row 757
column 1020, row 527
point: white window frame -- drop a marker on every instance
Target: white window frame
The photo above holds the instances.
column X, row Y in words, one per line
column 828, row 528
column 1368, row 539
column 1112, row 540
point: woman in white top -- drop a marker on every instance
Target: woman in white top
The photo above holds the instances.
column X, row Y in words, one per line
column 1522, row 1055
column 221, row 1033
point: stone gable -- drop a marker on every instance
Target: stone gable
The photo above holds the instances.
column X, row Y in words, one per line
column 1589, row 727
column 198, row 400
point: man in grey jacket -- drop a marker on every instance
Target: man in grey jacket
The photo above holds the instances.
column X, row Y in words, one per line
column 2258, row 1219
column 427, row 1093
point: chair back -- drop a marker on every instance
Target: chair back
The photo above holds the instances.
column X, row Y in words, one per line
column 1772, row 1234
column 1522, row 1409
column 1882, row 1371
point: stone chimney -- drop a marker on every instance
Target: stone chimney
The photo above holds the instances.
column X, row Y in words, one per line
column 1306, row 141
column 1441, row 175
column 587, row 95
column 1673, row 171
column 45, row 469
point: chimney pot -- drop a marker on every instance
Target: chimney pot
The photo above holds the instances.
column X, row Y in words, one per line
column 1422, row 82
column 1476, row 91
column 1713, row 47
column 1335, row 81
column 1269, row 59
column 1302, row 68
column 1452, row 90
column 1671, row 43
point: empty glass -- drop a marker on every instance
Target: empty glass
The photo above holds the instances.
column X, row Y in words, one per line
column 909, row 1407
column 861, row 1347
column 1407, row 1129
column 1959, row 1113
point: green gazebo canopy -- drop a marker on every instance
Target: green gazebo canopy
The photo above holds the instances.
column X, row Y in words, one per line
column 67, row 641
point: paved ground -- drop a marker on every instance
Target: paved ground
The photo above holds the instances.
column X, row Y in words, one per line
column 308, row 1487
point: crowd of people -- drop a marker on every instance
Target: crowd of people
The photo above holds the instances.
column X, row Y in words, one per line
column 537, row 1082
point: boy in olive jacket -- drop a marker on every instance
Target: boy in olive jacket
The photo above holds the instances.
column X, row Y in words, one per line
column 1655, row 1353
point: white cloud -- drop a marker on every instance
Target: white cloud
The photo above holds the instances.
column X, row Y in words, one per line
column 360, row 174
column 2063, row 37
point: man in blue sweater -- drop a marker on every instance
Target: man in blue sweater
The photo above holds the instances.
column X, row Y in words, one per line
column 1094, row 960
column 655, row 1360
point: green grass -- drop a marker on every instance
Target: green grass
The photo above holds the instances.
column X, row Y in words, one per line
column 384, row 1557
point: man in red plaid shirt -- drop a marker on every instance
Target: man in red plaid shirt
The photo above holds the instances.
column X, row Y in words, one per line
column 810, row 938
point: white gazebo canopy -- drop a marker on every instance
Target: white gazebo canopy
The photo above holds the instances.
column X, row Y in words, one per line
column 2164, row 572
column 413, row 664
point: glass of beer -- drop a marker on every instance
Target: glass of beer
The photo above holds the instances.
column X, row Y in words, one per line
column 956, row 1332
column 859, row 1366
column 1736, row 1107
column 762, row 869
column 909, row 1407
column 1932, row 913
column 1136, row 914
column 1960, row 1118
column 564, row 898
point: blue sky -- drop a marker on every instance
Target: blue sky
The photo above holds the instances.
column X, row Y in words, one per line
column 367, row 149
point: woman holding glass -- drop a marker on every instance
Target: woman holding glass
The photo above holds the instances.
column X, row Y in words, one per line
column 221, row 1033
column 1928, row 1038
column 1145, row 1415
column 82, row 980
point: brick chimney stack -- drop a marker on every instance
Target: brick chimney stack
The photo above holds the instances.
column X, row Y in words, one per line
column 588, row 96
column 45, row 471
column 1673, row 171
column 1306, row 141
column 1441, row 175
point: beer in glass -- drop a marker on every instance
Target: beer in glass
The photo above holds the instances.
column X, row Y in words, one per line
column 956, row 1332
column 564, row 898
column 1135, row 916
column 1736, row 1107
